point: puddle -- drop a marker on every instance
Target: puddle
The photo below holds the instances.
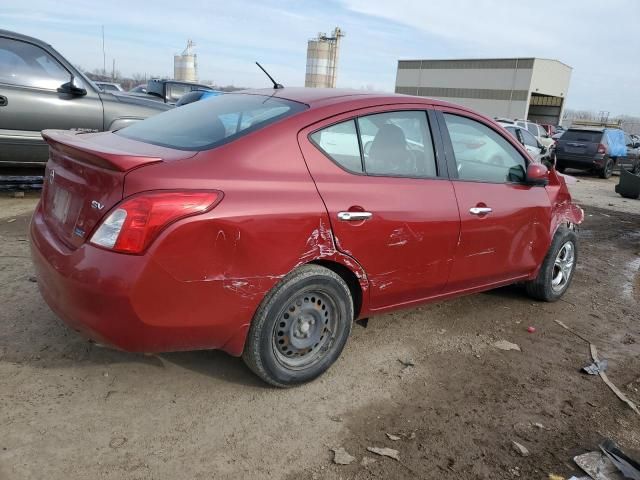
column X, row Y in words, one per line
column 631, row 286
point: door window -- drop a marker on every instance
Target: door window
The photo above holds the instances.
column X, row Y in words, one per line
column 533, row 128
column 482, row 154
column 397, row 144
column 340, row 143
column 513, row 131
column 529, row 139
column 26, row 65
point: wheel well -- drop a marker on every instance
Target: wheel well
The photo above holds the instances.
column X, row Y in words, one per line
column 350, row 279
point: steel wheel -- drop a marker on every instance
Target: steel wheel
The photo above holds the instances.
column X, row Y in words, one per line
column 305, row 329
column 563, row 266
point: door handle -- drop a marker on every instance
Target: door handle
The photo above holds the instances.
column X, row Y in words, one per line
column 480, row 210
column 3, row 101
column 354, row 216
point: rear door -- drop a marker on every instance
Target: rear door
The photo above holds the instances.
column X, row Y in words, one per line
column 30, row 103
column 392, row 208
column 504, row 222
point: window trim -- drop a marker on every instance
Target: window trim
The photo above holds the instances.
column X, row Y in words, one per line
column 452, row 164
column 50, row 55
column 430, row 123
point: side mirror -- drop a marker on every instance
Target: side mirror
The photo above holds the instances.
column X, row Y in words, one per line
column 537, row 174
column 72, row 88
column 543, row 149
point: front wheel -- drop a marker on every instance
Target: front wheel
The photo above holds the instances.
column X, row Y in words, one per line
column 300, row 328
column 557, row 269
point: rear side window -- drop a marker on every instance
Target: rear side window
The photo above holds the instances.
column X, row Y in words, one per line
column 588, row 136
column 482, row 154
column 340, row 143
column 394, row 144
column 397, row 144
column 533, row 128
column 207, row 124
column 529, row 139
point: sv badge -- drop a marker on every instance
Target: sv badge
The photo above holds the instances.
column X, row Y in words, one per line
column 97, row 205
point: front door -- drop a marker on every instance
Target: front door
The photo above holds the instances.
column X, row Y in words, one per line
column 504, row 222
column 30, row 102
column 391, row 205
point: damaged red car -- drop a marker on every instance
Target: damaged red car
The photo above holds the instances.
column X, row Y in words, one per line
column 264, row 223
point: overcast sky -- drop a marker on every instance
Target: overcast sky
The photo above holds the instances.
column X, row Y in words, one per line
column 600, row 40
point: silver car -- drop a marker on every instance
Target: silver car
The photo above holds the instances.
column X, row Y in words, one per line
column 40, row 89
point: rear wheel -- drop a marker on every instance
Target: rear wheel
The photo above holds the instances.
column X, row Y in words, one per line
column 557, row 269
column 300, row 328
column 607, row 170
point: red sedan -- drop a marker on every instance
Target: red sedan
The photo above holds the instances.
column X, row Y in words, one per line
column 263, row 223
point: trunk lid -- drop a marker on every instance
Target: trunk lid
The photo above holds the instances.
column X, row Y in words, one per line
column 85, row 175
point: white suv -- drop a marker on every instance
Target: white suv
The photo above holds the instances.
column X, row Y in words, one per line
column 537, row 131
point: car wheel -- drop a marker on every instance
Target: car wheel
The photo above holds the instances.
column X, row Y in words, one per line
column 557, row 269
column 607, row 170
column 300, row 327
column 561, row 169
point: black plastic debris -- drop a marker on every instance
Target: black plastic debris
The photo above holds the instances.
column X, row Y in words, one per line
column 629, row 467
column 628, row 185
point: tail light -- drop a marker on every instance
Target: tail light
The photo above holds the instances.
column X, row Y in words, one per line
column 134, row 223
column 602, row 148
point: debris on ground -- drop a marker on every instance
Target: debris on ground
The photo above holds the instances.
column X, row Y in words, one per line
column 385, row 452
column 407, row 362
column 598, row 466
column 629, row 467
column 393, row 437
column 33, row 278
column 521, row 449
column 366, row 461
column 531, row 329
column 342, row 457
column 539, row 425
column 11, row 220
column 117, row 442
column 594, row 356
column 596, row 367
column 504, row 345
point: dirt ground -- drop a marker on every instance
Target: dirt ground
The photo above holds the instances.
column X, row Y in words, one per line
column 69, row 409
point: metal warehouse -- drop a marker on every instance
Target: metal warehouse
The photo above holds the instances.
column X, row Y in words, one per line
column 525, row 88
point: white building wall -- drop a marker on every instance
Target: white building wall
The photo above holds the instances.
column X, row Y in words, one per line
column 503, row 79
column 550, row 77
column 491, row 108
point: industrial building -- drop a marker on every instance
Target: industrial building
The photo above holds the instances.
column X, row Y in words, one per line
column 322, row 60
column 185, row 65
column 524, row 88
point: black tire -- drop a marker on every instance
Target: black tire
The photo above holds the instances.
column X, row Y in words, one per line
column 607, row 170
column 561, row 169
column 542, row 287
column 636, row 168
column 311, row 303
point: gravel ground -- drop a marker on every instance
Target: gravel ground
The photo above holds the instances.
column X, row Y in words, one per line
column 69, row 409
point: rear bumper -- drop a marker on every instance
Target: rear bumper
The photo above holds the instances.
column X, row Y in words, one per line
column 130, row 302
column 580, row 162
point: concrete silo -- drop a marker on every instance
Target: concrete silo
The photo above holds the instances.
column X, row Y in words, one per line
column 322, row 60
column 185, row 65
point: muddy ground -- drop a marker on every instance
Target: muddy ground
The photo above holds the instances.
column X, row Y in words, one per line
column 69, row 409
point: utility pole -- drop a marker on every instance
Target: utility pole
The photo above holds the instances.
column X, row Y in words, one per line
column 104, row 55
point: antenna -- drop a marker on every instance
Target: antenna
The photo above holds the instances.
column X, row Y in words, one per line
column 276, row 85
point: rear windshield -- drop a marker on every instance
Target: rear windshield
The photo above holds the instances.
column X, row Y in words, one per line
column 588, row 136
column 211, row 122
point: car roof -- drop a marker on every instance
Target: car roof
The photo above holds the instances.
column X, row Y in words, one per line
column 316, row 97
column 588, row 129
column 20, row 36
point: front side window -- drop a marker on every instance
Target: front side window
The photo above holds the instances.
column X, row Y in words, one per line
column 533, row 128
column 26, row 65
column 482, row 154
column 207, row 124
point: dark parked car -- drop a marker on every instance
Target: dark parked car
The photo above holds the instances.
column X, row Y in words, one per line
column 590, row 148
column 40, row 89
column 170, row 91
column 263, row 223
